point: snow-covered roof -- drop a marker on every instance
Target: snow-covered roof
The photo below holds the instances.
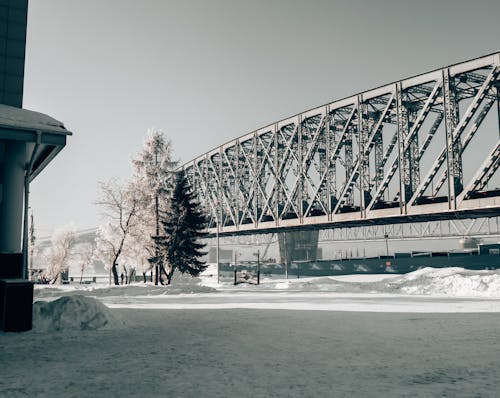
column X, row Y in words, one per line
column 33, row 127
column 23, row 119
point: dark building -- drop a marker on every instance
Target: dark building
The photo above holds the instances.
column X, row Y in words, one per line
column 28, row 142
column 13, row 18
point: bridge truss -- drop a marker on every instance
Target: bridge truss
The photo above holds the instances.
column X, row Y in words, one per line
column 485, row 227
column 420, row 149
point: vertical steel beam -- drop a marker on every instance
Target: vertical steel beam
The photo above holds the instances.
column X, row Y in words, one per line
column 300, row 175
column 238, row 207
column 402, row 121
column 277, row 178
column 498, row 106
column 332, row 166
column 378, row 155
column 413, row 158
column 453, row 144
column 256, row 181
column 364, row 167
column 328, row 183
column 349, row 201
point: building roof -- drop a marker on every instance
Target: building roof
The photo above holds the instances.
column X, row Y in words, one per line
column 23, row 119
column 18, row 124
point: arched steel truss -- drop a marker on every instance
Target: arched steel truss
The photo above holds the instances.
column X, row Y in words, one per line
column 410, row 150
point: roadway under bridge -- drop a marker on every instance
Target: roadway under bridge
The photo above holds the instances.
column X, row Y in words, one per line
column 420, row 149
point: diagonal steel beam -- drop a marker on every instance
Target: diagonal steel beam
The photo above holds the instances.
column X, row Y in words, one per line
column 483, row 174
column 414, row 130
column 457, row 133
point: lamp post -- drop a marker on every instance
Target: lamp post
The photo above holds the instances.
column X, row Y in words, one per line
column 218, row 253
column 218, row 216
column 258, row 265
column 286, row 257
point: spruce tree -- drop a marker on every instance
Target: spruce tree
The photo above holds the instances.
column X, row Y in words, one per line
column 183, row 224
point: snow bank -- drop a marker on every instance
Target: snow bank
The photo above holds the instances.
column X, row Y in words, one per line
column 180, row 285
column 208, row 277
column 452, row 282
column 75, row 312
column 456, row 282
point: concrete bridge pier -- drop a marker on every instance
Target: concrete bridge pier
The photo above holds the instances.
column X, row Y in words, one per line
column 298, row 246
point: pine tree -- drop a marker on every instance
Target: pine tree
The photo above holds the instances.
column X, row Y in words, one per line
column 183, row 225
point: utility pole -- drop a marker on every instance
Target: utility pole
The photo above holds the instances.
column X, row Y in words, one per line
column 258, row 265
column 32, row 241
column 218, row 253
column 286, row 256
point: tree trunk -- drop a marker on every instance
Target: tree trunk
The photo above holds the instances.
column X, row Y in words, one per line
column 144, row 276
column 157, row 219
column 169, row 277
column 114, row 270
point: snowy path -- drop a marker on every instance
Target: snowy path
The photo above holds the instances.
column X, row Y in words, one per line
column 319, row 301
column 255, row 353
column 431, row 333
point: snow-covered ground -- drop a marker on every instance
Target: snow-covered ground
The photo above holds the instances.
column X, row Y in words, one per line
column 425, row 334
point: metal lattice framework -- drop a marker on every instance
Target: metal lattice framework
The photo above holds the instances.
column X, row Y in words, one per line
column 486, row 227
column 419, row 149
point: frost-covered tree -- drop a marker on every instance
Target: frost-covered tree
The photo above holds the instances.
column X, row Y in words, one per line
column 138, row 250
column 184, row 224
column 121, row 206
column 59, row 254
column 32, row 246
column 84, row 256
column 153, row 174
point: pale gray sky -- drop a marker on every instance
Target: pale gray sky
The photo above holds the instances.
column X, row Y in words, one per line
column 209, row 71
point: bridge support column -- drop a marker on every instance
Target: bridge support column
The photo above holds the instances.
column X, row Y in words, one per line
column 298, row 246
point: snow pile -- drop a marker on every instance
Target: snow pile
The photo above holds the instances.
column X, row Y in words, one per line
column 320, row 284
column 456, row 282
column 452, row 282
column 74, row 312
column 209, row 276
column 180, row 285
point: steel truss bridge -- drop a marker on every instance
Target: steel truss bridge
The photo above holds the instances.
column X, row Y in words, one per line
column 421, row 149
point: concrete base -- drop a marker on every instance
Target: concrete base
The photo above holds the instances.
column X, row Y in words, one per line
column 298, row 246
column 16, row 305
column 11, row 265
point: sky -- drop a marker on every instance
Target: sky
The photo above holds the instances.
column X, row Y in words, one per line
column 206, row 72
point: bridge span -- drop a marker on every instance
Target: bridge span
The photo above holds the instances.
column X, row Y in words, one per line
column 419, row 149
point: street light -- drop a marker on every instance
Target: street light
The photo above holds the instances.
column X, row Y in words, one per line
column 286, row 256
column 217, row 218
column 258, row 265
column 218, row 252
